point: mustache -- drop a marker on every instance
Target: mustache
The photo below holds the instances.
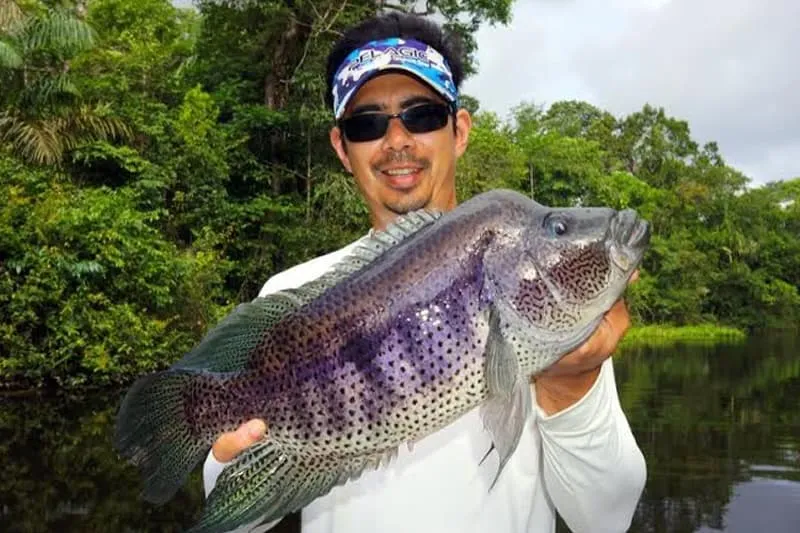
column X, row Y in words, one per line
column 401, row 157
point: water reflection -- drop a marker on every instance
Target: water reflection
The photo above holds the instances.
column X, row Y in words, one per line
column 720, row 429
column 719, row 426
column 60, row 473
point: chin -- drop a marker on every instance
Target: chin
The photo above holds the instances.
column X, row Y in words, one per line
column 407, row 203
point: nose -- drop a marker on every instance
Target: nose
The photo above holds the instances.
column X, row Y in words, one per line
column 397, row 137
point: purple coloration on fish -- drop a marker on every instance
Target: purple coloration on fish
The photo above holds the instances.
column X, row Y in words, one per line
column 429, row 319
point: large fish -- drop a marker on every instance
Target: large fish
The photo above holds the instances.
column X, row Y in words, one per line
column 435, row 316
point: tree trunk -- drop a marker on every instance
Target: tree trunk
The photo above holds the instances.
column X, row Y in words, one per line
column 308, row 175
column 530, row 178
column 276, row 83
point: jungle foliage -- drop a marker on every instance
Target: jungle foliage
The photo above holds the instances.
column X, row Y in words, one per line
column 158, row 164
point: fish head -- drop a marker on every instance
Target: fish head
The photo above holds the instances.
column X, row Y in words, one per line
column 564, row 268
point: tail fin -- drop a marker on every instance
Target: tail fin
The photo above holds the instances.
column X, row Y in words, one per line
column 154, row 433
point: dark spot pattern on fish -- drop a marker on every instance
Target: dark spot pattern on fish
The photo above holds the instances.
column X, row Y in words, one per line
column 582, row 272
column 532, row 299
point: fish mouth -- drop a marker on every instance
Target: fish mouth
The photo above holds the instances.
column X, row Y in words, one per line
column 630, row 236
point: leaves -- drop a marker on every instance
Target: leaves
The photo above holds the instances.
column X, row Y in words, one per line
column 46, row 140
column 158, row 168
column 9, row 57
column 43, row 116
column 59, row 32
column 10, row 15
column 462, row 17
column 492, row 161
column 92, row 285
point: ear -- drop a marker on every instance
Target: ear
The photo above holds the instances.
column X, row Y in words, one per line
column 337, row 141
column 463, row 127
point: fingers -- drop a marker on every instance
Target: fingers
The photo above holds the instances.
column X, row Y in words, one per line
column 616, row 323
column 618, row 319
column 231, row 444
column 598, row 347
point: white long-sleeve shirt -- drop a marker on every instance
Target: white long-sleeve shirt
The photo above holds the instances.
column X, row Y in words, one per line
column 582, row 462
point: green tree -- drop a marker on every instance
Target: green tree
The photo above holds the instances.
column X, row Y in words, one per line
column 42, row 114
column 117, row 251
column 560, row 168
column 492, row 161
column 652, row 145
column 89, row 291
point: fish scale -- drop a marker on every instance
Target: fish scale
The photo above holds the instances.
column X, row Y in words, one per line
column 435, row 316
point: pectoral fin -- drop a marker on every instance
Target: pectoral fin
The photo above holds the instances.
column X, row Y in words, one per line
column 509, row 402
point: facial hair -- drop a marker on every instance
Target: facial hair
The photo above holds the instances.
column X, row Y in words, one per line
column 407, row 202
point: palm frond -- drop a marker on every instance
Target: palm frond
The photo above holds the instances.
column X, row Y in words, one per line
column 97, row 123
column 9, row 58
column 32, row 140
column 46, row 140
column 47, row 91
column 58, row 31
column 10, row 14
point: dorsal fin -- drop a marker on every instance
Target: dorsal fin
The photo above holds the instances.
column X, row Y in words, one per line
column 368, row 250
column 229, row 345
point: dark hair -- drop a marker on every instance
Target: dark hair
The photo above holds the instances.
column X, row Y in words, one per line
column 401, row 25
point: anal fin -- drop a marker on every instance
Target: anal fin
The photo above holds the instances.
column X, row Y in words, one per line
column 266, row 483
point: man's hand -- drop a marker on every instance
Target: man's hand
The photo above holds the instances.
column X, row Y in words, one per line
column 567, row 381
column 232, row 443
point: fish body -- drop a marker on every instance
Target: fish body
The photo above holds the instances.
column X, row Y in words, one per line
column 433, row 317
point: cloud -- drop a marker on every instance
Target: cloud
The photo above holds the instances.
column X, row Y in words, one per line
column 725, row 66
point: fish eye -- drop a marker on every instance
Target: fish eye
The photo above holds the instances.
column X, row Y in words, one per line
column 557, row 226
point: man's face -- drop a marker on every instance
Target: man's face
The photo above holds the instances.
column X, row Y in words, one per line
column 401, row 171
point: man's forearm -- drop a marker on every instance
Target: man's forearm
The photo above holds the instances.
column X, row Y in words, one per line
column 593, row 469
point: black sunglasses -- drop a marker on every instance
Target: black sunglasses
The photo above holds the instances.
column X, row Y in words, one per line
column 422, row 118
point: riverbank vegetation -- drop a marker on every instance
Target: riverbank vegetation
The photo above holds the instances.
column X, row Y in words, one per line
column 666, row 335
column 157, row 165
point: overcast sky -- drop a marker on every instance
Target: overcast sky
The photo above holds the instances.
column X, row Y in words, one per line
column 731, row 68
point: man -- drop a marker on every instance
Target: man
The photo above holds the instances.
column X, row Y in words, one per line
column 393, row 86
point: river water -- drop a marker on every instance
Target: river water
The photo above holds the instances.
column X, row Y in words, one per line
column 719, row 427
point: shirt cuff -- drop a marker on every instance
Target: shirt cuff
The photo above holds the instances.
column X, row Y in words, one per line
column 211, row 471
